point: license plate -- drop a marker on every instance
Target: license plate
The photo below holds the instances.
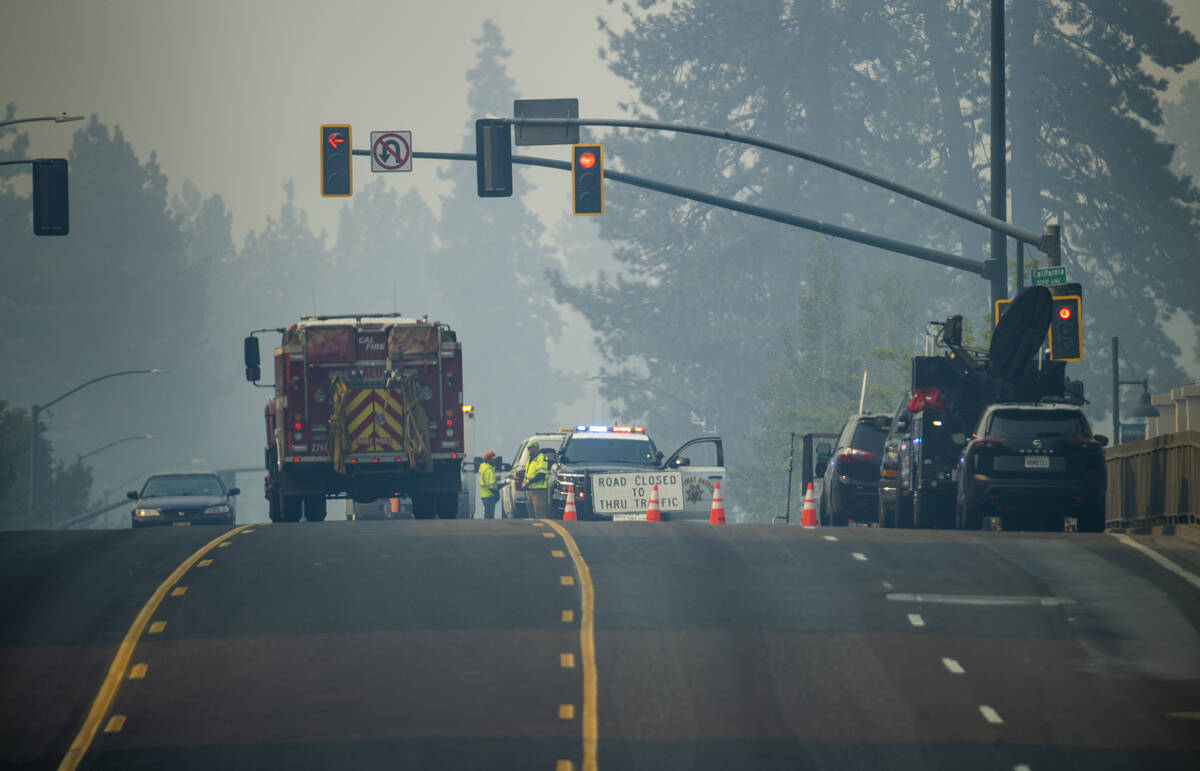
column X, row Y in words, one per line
column 1037, row 461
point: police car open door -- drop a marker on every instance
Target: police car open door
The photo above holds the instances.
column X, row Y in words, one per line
column 702, row 463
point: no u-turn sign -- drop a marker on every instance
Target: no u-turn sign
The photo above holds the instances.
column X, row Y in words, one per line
column 391, row 151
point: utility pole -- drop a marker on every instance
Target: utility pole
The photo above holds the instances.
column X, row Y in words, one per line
column 999, row 277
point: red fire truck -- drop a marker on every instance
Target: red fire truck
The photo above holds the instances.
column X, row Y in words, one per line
column 365, row 407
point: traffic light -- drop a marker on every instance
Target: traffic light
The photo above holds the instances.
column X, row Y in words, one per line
column 51, row 213
column 1066, row 329
column 493, row 158
column 587, row 179
column 336, row 176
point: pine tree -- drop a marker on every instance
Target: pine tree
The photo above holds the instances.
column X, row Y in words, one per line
column 491, row 270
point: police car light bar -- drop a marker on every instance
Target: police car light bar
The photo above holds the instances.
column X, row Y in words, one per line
column 613, row 429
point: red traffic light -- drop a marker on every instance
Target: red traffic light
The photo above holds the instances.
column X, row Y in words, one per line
column 1064, row 313
column 587, row 160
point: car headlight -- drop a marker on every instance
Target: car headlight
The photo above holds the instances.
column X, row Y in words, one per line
column 221, row 509
column 143, row 513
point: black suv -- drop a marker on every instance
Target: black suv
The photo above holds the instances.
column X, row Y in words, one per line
column 851, row 488
column 1036, row 467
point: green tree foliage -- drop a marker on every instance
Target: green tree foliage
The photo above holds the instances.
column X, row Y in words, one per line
column 1082, row 112
column 1182, row 126
column 385, row 244
column 66, row 487
column 815, row 372
column 901, row 89
column 705, row 294
column 491, row 268
column 127, row 289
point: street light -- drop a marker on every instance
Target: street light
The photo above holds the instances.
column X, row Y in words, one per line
column 63, row 118
column 36, row 410
column 111, row 444
column 1144, row 408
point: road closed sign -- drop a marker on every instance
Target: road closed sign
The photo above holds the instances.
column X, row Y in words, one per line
column 629, row 493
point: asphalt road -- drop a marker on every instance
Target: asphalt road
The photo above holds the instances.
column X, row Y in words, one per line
column 474, row 644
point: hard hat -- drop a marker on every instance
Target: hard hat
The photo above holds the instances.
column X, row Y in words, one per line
column 489, row 455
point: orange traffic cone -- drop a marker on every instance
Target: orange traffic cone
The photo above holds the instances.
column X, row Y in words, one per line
column 654, row 514
column 717, row 515
column 569, row 514
column 808, row 515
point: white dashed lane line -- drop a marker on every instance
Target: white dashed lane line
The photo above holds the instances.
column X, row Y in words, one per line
column 887, row 586
column 954, row 667
column 990, row 715
column 968, row 599
column 915, row 619
column 859, row 556
column 831, row 538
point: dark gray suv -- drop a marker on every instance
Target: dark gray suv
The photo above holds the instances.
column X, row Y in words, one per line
column 1035, row 467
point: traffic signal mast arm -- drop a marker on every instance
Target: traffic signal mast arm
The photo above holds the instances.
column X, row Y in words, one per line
column 1046, row 243
column 920, row 252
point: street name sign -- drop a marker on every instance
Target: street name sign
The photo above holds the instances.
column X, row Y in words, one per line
column 546, row 108
column 1048, row 276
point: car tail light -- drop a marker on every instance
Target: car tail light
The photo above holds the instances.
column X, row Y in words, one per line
column 854, row 455
column 991, row 441
column 927, row 399
column 1083, row 441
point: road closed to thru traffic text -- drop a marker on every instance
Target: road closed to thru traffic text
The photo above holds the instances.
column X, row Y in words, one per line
column 629, row 493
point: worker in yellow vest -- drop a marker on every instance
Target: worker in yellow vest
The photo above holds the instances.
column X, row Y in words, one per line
column 537, row 475
column 487, row 485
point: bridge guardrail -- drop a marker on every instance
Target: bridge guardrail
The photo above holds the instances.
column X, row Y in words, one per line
column 1153, row 482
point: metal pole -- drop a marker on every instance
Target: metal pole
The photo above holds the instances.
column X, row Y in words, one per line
column 888, row 244
column 1053, row 245
column 34, row 412
column 1116, row 372
column 954, row 209
column 787, row 512
column 999, row 183
column 1020, row 267
column 64, row 118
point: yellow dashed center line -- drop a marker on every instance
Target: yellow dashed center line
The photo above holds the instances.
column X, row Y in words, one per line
column 120, row 663
column 559, row 553
column 115, row 724
column 138, row 672
column 567, row 660
column 589, row 725
column 223, row 545
column 157, row 627
column 547, row 535
column 203, row 563
column 538, row 524
column 564, row 765
column 568, row 616
column 567, row 580
column 179, row 591
column 566, row 711
column 244, row 532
